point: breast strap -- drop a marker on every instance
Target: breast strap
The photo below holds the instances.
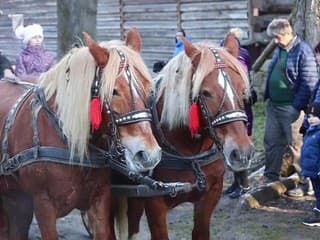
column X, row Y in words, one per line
column 9, row 164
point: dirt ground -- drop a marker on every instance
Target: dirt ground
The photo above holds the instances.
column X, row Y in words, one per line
column 232, row 220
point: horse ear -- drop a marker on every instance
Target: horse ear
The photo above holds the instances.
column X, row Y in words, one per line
column 192, row 52
column 99, row 54
column 133, row 39
column 231, row 44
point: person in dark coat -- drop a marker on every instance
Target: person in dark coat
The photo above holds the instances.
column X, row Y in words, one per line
column 291, row 80
column 310, row 159
column 179, row 47
column 6, row 69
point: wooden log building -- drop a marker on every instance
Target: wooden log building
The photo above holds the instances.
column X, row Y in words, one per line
column 157, row 22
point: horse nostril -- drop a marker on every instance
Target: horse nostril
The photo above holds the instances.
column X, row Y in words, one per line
column 141, row 156
column 235, row 155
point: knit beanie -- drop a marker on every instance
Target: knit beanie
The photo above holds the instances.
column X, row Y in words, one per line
column 28, row 32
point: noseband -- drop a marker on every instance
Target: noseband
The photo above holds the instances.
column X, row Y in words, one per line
column 221, row 118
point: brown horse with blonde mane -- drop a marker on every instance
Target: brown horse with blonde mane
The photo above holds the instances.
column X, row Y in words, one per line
column 51, row 163
column 200, row 123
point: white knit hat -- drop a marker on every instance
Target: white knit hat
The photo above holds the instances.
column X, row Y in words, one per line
column 28, row 32
column 237, row 32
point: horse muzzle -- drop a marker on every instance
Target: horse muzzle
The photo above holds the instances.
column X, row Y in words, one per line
column 239, row 159
column 143, row 160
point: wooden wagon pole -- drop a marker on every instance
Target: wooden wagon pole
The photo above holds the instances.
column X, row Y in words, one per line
column 268, row 49
column 179, row 23
column 121, row 13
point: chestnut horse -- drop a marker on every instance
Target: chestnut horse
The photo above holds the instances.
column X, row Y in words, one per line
column 51, row 163
column 199, row 122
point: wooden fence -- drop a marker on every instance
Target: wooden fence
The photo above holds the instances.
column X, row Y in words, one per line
column 157, row 22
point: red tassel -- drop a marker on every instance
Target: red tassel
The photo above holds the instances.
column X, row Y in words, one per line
column 95, row 113
column 194, row 119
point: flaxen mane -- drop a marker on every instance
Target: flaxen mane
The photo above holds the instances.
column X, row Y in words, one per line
column 175, row 84
column 70, row 82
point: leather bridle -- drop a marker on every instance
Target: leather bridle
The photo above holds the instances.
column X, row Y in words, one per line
column 221, row 118
column 116, row 149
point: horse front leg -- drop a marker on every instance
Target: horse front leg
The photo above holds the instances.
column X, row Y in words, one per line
column 99, row 214
column 4, row 222
column 46, row 216
column 203, row 211
column 16, row 214
column 135, row 212
column 156, row 212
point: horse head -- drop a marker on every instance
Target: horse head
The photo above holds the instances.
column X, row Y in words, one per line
column 220, row 95
column 204, row 88
column 104, row 85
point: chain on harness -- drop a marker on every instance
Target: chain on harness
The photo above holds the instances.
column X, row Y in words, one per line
column 116, row 153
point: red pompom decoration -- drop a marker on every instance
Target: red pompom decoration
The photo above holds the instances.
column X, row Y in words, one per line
column 194, row 119
column 95, row 113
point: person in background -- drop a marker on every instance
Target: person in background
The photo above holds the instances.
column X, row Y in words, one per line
column 179, row 47
column 6, row 69
column 310, row 161
column 33, row 59
column 291, row 80
column 305, row 186
column 157, row 67
column 240, row 184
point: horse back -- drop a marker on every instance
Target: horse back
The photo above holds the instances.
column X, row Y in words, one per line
column 21, row 132
column 10, row 93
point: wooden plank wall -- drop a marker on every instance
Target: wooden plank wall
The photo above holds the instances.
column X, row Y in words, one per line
column 201, row 19
column 108, row 20
column 42, row 12
column 211, row 19
column 265, row 12
column 157, row 22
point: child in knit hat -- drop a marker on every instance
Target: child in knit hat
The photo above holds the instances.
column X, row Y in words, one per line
column 33, row 59
column 310, row 161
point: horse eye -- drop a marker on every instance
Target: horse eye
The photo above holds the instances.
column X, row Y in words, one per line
column 206, row 93
column 115, row 92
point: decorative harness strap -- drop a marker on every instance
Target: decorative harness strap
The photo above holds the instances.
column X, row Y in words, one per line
column 172, row 159
column 231, row 115
column 39, row 153
column 9, row 123
column 228, row 116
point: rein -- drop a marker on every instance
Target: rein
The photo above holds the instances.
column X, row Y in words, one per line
column 101, row 157
column 10, row 164
column 172, row 159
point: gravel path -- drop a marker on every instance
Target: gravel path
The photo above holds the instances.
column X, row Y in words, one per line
column 278, row 220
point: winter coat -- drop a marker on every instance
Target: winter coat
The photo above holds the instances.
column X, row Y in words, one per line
column 32, row 61
column 301, row 72
column 179, row 47
column 310, row 152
